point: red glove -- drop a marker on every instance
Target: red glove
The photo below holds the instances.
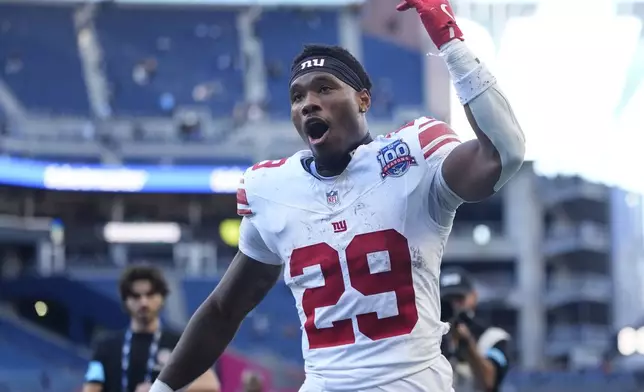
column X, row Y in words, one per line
column 437, row 17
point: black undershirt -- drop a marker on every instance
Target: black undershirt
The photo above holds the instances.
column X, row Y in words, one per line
column 108, row 351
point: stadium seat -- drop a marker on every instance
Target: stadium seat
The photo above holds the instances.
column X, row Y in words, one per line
column 39, row 57
column 183, row 49
column 29, row 362
column 396, row 73
column 283, row 34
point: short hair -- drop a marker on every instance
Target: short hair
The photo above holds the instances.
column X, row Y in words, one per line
column 338, row 53
column 142, row 272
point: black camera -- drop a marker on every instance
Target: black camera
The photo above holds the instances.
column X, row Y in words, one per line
column 447, row 310
column 449, row 314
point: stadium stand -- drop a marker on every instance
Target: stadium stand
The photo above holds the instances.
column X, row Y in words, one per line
column 26, row 51
column 32, row 360
column 178, row 50
column 400, row 90
column 283, row 33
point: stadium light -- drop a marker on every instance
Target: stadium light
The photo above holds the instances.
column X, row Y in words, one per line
column 225, row 180
column 41, row 308
column 639, row 340
column 229, row 231
column 627, row 341
column 482, row 235
column 142, row 233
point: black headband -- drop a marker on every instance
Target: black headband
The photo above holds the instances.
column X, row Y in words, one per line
column 330, row 65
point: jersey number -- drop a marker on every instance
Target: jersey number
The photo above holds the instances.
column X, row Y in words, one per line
column 269, row 164
column 398, row 279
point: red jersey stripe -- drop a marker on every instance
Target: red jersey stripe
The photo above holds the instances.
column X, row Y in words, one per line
column 438, row 145
column 432, row 131
column 241, row 196
column 244, row 211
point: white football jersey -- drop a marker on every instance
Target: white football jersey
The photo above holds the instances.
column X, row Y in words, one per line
column 361, row 253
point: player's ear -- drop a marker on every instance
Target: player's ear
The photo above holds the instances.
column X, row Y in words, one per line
column 364, row 100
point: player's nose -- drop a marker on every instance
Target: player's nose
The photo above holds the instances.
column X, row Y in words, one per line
column 310, row 106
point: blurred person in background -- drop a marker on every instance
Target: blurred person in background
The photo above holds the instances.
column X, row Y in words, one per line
column 130, row 360
column 370, row 213
column 479, row 353
column 252, row 382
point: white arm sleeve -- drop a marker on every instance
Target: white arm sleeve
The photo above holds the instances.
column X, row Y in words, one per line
column 475, row 85
column 252, row 244
column 443, row 202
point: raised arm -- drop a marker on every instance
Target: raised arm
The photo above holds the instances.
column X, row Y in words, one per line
column 475, row 169
column 215, row 323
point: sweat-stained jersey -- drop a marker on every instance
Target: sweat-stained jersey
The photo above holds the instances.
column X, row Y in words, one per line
column 361, row 253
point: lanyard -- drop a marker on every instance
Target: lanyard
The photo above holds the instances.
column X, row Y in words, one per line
column 125, row 359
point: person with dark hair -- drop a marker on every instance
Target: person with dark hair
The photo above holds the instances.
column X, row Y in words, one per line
column 480, row 353
column 130, row 360
column 149, row 276
column 358, row 224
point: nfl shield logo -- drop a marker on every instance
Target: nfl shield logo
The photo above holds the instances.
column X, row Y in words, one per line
column 332, row 198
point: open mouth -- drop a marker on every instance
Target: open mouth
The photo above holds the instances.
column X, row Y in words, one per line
column 317, row 130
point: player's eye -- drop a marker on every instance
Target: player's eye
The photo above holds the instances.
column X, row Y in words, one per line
column 295, row 97
column 325, row 89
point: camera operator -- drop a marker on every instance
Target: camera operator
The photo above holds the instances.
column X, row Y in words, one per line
column 478, row 352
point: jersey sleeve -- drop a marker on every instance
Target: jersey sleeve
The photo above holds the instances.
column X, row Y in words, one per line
column 437, row 140
column 243, row 206
column 499, row 355
column 95, row 372
column 495, row 345
column 251, row 242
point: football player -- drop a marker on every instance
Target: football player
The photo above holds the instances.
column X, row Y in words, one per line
column 358, row 224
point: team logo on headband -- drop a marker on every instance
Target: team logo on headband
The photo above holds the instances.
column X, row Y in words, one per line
column 312, row 63
column 395, row 159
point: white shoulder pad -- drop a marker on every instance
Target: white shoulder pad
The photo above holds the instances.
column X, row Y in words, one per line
column 262, row 180
column 431, row 135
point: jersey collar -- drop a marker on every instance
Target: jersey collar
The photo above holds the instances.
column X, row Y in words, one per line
column 313, row 167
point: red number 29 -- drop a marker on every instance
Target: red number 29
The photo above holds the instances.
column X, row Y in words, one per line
column 398, row 279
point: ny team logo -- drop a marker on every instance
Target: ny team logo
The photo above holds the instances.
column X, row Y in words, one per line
column 339, row 227
column 332, row 198
column 313, row 63
column 395, row 159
